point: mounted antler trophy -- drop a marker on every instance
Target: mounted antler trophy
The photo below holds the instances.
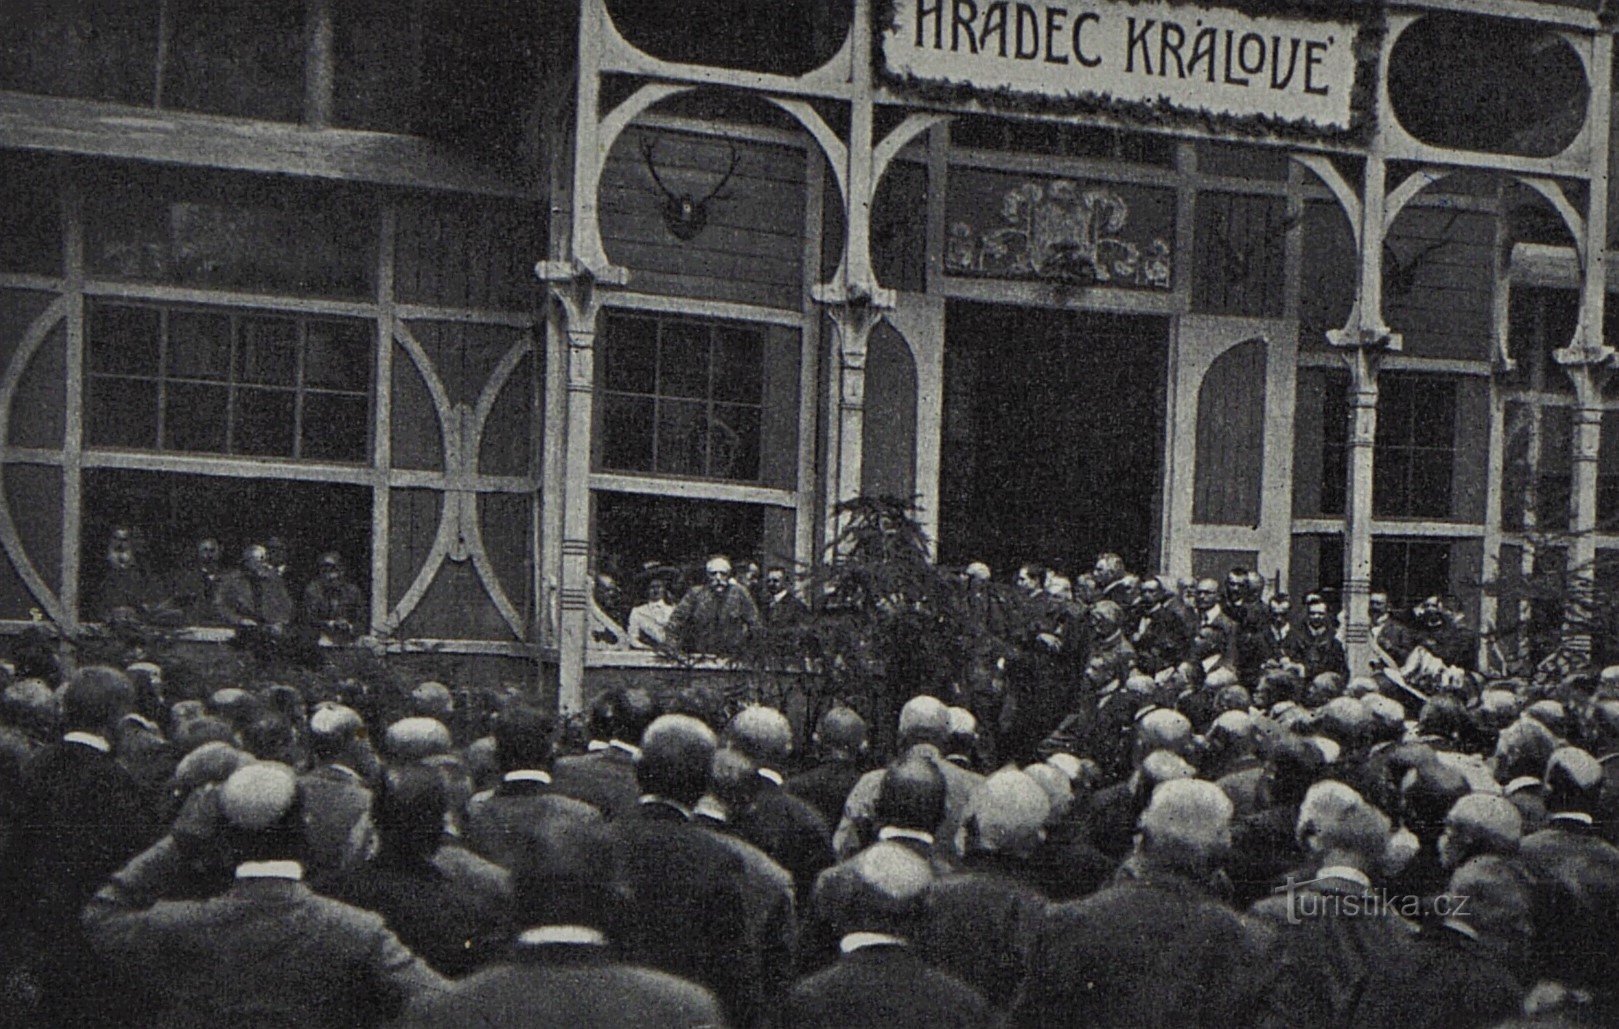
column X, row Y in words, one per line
column 683, row 215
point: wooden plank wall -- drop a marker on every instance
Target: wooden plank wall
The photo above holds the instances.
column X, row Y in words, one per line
column 752, row 250
column 1231, row 438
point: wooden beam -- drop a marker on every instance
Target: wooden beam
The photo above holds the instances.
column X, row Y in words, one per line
column 97, row 129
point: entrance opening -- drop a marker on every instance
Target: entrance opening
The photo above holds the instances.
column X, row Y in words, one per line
column 1053, row 436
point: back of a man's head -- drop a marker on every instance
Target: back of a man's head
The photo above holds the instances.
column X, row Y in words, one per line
column 432, row 700
column 842, row 731
column 417, row 738
column 763, row 734
column 261, row 810
column 1427, row 793
column 334, row 729
column 525, row 738
column 1497, row 899
column 1186, row 827
column 569, row 878
column 675, row 754
column 733, row 778
column 1574, row 782
column 622, row 714
column 409, row 811
column 1007, row 814
column 29, row 705
column 1163, row 729
column 95, row 699
column 1479, row 824
column 911, row 796
column 1337, row 823
column 924, row 719
column 887, row 887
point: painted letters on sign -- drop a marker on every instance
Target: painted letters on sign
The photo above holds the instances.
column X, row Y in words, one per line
column 1185, row 56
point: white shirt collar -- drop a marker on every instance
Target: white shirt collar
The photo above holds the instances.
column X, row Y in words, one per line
column 629, row 748
column 1577, row 817
column 89, row 739
column 527, row 775
column 1346, row 873
column 1461, row 927
column 857, row 941
column 770, row 775
column 595, row 745
column 709, row 807
column 1522, row 782
column 573, row 934
column 894, row 832
column 270, row 870
column 653, row 798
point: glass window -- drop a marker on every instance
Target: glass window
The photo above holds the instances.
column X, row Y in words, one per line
column 212, row 381
column 1416, row 446
column 682, row 397
column 1409, row 570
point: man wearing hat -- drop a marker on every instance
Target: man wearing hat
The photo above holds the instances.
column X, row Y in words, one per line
column 268, row 947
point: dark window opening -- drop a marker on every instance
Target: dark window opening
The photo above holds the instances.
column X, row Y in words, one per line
column 207, row 380
column 169, row 514
column 1416, row 447
column 1409, row 570
column 682, row 397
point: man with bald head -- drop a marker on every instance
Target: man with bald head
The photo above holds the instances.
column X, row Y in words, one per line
column 686, row 907
column 840, row 739
column 924, row 729
column 80, row 816
column 981, row 921
column 1479, row 825
column 879, row 980
column 338, row 788
column 268, row 944
column 788, row 829
column 1155, row 948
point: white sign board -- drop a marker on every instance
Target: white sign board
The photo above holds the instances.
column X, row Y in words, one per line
column 1156, row 52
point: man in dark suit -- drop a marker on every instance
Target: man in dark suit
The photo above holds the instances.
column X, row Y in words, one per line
column 979, row 923
column 81, row 815
column 525, row 807
column 879, row 980
column 924, row 729
column 1577, row 911
column 604, row 776
column 338, row 814
column 563, row 972
column 788, row 829
column 686, row 910
column 1161, row 636
column 1466, row 965
column 1156, row 948
column 446, row 904
column 1331, row 947
column 841, row 739
column 1316, row 646
column 268, row 950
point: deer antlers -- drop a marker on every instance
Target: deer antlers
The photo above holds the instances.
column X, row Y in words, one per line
column 683, row 215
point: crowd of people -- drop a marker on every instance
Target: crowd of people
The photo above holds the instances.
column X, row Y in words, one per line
column 1153, row 809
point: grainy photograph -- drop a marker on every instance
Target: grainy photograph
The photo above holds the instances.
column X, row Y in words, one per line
column 808, row 514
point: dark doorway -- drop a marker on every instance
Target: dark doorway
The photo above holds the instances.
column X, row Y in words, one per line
column 1053, row 436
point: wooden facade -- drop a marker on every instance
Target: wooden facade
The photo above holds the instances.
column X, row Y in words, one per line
column 1346, row 363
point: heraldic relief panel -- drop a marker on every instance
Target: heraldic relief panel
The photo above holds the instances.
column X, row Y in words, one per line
column 1009, row 226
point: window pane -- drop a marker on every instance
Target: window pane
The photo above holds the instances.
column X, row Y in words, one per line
column 122, row 412
column 30, row 217
column 123, row 340
column 1391, row 492
column 1393, row 412
column 242, row 57
column 264, row 422
column 682, row 438
column 336, row 427
column 737, row 376
column 1434, row 415
column 627, row 433
column 339, row 355
column 683, row 363
column 734, row 442
column 631, row 359
column 194, row 417
column 199, row 346
column 1430, row 484
column 269, row 351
